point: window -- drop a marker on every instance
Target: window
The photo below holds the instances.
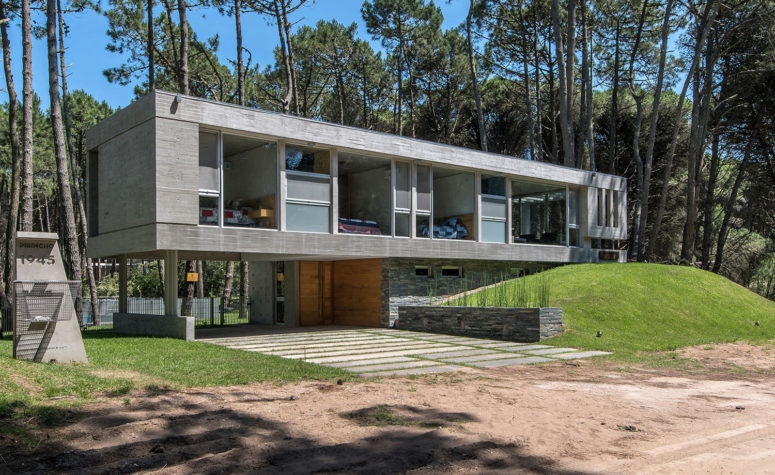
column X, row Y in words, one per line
column 209, row 179
column 574, row 234
column 451, row 271
column 422, row 271
column 249, row 182
column 307, row 160
column 308, row 180
column 364, row 195
column 423, row 211
column 403, row 199
column 538, row 213
column 493, row 209
column 454, row 203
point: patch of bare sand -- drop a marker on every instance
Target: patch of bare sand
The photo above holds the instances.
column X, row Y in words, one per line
column 743, row 355
column 559, row 418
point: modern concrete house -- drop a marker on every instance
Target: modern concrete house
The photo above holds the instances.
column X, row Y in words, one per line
column 340, row 225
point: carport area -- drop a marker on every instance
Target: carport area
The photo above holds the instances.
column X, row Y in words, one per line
column 387, row 352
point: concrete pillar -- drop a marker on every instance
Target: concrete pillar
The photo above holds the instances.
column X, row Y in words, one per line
column 171, row 283
column 122, row 284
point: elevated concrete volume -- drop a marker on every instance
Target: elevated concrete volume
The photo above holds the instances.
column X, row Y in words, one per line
column 45, row 323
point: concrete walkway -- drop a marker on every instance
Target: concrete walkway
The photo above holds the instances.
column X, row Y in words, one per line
column 385, row 352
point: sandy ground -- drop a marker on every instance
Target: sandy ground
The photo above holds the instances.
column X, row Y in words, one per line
column 574, row 417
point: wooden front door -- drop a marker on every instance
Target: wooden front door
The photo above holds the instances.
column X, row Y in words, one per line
column 315, row 293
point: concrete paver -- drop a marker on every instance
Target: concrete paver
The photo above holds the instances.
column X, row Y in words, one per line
column 580, row 354
column 387, row 352
column 549, row 351
column 512, row 361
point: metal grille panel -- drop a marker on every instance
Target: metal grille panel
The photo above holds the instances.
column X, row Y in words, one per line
column 39, row 305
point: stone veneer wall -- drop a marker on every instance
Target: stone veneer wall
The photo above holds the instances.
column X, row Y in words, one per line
column 525, row 325
column 405, row 288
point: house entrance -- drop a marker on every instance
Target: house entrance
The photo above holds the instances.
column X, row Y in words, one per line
column 340, row 292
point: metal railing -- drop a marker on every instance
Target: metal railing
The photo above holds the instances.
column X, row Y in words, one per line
column 208, row 312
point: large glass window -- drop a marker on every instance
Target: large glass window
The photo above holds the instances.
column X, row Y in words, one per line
column 209, row 179
column 249, row 182
column 308, row 199
column 403, row 199
column 364, row 195
column 493, row 209
column 454, row 203
column 423, row 201
column 538, row 213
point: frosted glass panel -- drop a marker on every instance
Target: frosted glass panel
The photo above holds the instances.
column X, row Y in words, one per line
column 493, row 208
column 303, row 187
column 493, row 231
column 307, row 218
column 208, row 162
column 424, row 188
column 403, row 186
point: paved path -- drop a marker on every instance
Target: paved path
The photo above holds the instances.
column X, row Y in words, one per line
column 384, row 352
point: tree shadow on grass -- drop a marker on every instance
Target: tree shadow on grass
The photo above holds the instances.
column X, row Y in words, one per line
column 168, row 432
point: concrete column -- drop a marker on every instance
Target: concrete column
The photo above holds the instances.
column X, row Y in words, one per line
column 122, row 284
column 171, row 283
column 282, row 186
column 509, row 213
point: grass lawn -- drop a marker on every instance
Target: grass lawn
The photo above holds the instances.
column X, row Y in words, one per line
column 38, row 392
column 651, row 307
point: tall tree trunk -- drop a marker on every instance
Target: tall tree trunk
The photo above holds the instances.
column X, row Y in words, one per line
column 730, row 203
column 286, row 62
column 183, row 74
column 160, row 266
column 27, row 127
column 552, row 108
column 63, row 176
column 526, row 84
column 614, row 104
column 566, row 123
column 590, row 125
column 228, row 283
column 709, row 203
column 537, row 86
column 240, row 64
column 200, row 283
column 474, row 79
column 243, row 290
column 86, row 262
column 581, row 141
column 150, row 48
column 570, row 69
column 705, row 26
column 188, row 302
column 287, row 29
column 649, row 159
column 13, row 211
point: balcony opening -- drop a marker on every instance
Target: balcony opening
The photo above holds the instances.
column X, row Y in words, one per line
column 454, row 203
column 538, row 213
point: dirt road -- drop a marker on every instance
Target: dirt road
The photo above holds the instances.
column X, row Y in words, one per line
column 583, row 417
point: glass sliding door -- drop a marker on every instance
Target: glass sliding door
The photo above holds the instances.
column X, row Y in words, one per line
column 308, row 179
column 249, row 182
column 209, row 178
column 364, row 195
column 454, row 204
column 539, row 213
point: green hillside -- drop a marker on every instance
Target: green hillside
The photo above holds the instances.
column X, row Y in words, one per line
column 651, row 307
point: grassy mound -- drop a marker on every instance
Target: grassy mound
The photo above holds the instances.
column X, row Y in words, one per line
column 651, row 307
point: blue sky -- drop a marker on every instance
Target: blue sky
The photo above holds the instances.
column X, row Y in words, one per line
column 86, row 56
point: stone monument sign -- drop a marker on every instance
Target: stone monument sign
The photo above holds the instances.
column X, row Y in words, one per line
column 46, row 326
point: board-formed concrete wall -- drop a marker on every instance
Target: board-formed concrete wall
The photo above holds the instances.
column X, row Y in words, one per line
column 524, row 325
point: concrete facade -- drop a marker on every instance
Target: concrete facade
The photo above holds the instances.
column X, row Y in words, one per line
column 143, row 194
column 154, row 325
